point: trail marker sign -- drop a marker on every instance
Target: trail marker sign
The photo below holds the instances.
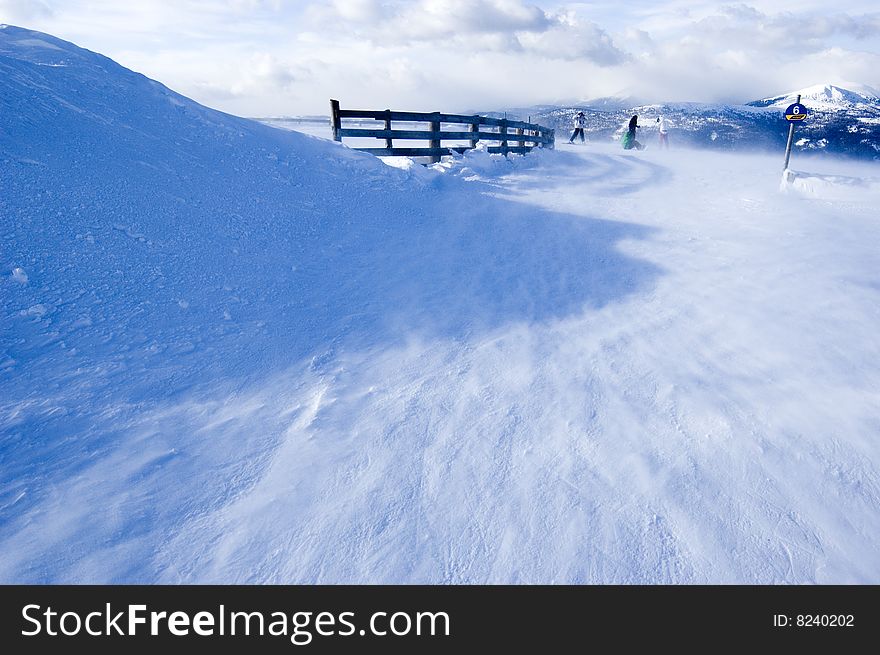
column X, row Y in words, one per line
column 795, row 112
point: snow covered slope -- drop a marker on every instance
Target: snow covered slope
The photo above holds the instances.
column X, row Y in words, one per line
column 236, row 354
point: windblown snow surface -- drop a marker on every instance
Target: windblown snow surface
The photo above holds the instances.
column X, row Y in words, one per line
column 236, row 354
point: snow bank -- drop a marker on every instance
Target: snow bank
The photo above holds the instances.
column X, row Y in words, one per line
column 831, row 187
column 478, row 163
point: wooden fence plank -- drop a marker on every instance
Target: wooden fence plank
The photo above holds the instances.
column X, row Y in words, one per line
column 426, row 135
column 427, row 117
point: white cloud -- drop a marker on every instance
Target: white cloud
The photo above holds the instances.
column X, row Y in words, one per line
column 474, row 25
column 741, row 53
column 358, row 11
column 569, row 37
column 263, row 72
column 17, row 12
column 285, row 56
column 788, row 31
column 422, row 20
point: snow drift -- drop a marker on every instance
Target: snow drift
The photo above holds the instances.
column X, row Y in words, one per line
column 841, row 188
column 235, row 354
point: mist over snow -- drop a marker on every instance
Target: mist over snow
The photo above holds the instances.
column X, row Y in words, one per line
column 232, row 353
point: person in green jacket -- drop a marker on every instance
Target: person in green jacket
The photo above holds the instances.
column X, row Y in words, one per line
column 629, row 139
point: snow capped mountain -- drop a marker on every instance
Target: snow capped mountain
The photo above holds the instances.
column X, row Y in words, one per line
column 826, row 97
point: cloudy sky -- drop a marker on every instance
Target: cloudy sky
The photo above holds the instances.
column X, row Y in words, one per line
column 284, row 57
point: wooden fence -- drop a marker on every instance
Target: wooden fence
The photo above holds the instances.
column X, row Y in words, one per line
column 525, row 136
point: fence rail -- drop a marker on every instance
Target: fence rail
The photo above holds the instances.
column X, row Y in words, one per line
column 524, row 136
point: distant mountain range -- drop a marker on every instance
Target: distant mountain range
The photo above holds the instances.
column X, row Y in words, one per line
column 841, row 121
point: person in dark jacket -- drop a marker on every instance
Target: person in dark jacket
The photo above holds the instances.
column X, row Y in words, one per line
column 629, row 139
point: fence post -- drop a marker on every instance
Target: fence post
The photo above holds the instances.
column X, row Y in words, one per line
column 519, row 132
column 435, row 143
column 503, row 132
column 389, row 142
column 335, row 121
column 475, row 127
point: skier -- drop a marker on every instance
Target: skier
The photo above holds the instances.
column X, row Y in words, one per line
column 580, row 122
column 663, row 127
column 629, row 139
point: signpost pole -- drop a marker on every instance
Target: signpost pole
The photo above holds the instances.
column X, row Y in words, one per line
column 790, row 139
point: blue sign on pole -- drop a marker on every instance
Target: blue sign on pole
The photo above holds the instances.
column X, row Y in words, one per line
column 796, row 112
